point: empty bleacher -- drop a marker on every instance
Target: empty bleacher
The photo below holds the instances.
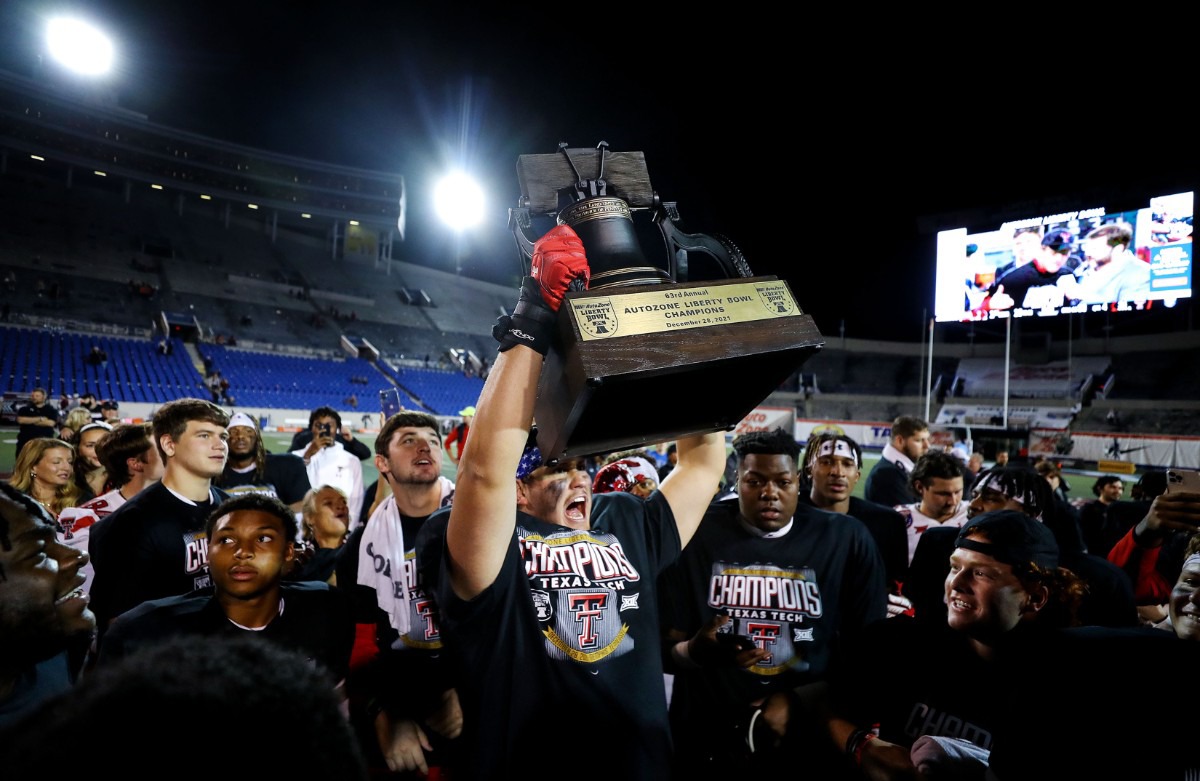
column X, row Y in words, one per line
column 259, row 379
column 442, row 391
column 1156, row 375
column 56, row 361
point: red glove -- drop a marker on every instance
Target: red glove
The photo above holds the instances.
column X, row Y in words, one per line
column 559, row 260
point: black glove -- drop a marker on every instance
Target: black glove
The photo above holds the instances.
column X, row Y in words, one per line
column 532, row 323
column 558, row 265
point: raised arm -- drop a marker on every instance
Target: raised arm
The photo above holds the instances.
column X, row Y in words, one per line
column 693, row 482
column 485, row 492
column 484, row 512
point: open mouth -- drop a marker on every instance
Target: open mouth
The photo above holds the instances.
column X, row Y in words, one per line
column 575, row 508
column 78, row 593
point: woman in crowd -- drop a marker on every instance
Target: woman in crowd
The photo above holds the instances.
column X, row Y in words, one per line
column 75, row 421
column 44, row 473
column 90, row 475
column 324, row 521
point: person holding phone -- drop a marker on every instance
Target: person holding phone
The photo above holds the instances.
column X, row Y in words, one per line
column 329, row 462
column 1152, row 552
column 752, row 612
column 304, row 437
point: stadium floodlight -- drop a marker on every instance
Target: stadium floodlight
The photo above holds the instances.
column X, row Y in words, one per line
column 459, row 202
column 79, row 46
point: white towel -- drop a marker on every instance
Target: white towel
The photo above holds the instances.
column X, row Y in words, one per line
column 381, row 563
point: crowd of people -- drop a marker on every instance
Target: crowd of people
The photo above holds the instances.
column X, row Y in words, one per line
column 669, row 612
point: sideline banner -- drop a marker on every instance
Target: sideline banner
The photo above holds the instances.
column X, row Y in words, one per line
column 1141, row 449
column 766, row 419
column 869, row 435
column 991, row 416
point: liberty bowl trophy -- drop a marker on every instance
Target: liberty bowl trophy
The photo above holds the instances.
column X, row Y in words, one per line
column 665, row 344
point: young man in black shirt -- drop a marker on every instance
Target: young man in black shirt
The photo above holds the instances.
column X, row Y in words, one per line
column 154, row 545
column 538, row 575
column 250, row 546
column 251, row 469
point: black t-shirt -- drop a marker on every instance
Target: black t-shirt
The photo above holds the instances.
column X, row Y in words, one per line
column 1031, row 288
column 284, row 477
column 317, row 564
column 915, row 677
column 28, row 431
column 889, row 530
column 798, row 595
column 888, row 484
column 315, row 620
column 793, row 594
column 567, row 634
column 1103, row 525
column 153, row 546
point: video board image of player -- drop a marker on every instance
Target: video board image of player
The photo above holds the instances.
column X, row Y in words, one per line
column 1090, row 260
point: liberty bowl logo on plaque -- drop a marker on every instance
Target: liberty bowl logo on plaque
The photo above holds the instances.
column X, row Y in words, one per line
column 597, row 318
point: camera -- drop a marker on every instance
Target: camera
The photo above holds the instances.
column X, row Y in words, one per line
column 1183, row 480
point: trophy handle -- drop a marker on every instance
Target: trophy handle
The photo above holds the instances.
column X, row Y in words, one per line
column 521, row 225
column 726, row 254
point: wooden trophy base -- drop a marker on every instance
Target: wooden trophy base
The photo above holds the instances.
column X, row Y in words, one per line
column 641, row 365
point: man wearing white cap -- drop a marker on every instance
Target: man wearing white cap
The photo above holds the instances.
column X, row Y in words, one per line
column 251, row 469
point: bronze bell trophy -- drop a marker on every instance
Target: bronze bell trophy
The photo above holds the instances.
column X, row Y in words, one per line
column 649, row 353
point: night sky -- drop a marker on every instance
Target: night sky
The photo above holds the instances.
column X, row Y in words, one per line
column 824, row 148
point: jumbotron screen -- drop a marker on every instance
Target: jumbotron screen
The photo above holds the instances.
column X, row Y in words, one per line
column 1091, row 260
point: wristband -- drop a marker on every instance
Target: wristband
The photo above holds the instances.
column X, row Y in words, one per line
column 532, row 323
column 373, row 708
column 858, row 741
column 858, row 752
column 511, row 330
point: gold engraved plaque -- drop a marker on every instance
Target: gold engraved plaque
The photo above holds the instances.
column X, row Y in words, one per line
column 638, row 365
column 670, row 308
